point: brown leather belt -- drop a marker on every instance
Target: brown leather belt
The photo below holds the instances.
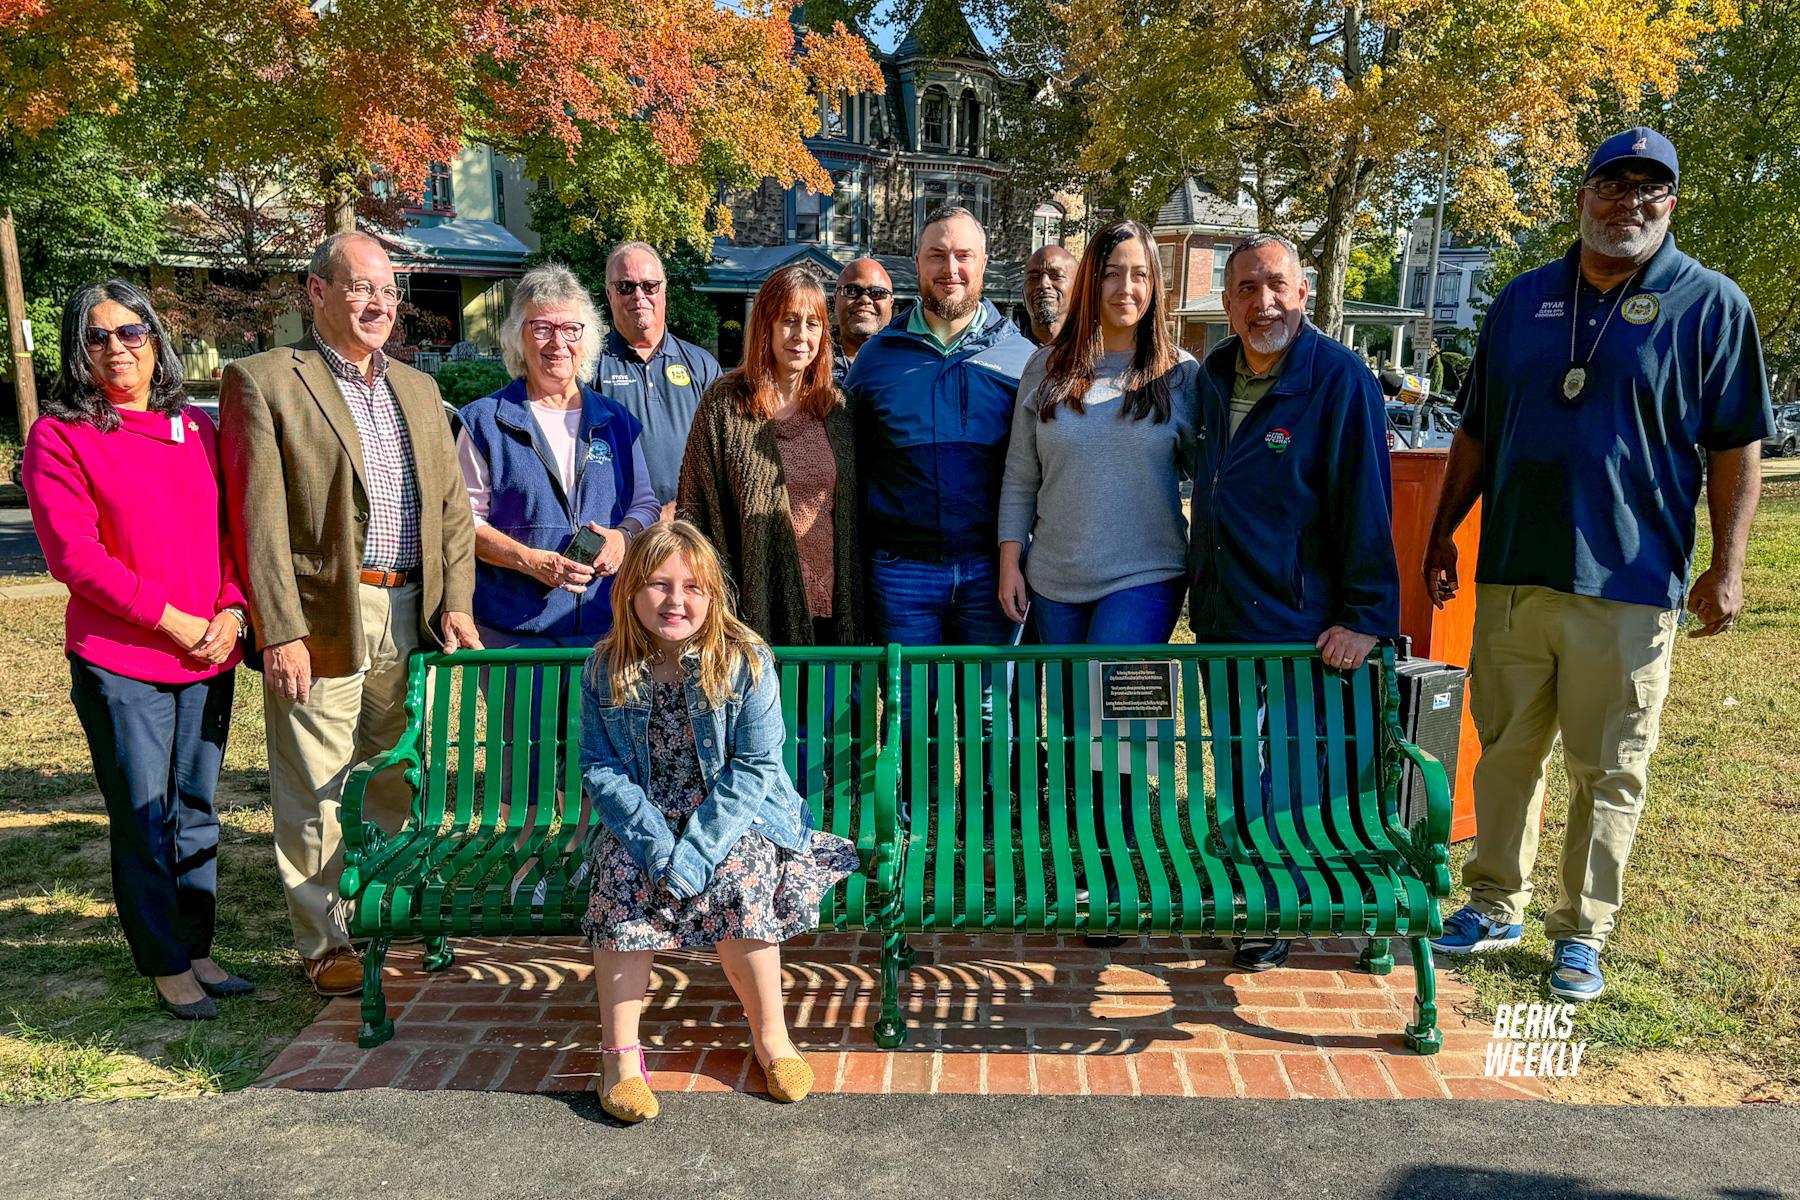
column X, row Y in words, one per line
column 385, row 579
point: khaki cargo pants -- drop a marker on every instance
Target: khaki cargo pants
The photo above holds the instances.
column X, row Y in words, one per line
column 1597, row 671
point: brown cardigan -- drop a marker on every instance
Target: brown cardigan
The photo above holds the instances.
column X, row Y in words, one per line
column 733, row 487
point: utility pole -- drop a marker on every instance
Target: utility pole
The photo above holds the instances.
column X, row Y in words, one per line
column 1422, row 352
column 24, row 383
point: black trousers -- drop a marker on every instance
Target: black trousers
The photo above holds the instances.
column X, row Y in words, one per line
column 157, row 749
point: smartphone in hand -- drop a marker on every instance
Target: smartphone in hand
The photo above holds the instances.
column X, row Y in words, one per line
column 585, row 546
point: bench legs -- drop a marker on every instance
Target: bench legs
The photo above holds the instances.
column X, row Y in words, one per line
column 438, row 955
column 1422, row 1035
column 896, row 956
column 377, row 1026
column 1377, row 957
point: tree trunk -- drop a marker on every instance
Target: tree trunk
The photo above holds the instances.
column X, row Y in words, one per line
column 13, row 281
column 1335, row 233
column 340, row 201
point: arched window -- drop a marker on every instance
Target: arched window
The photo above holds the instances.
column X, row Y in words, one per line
column 968, row 124
column 933, row 118
column 1046, row 225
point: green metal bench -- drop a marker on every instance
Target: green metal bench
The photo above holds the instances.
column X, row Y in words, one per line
column 890, row 747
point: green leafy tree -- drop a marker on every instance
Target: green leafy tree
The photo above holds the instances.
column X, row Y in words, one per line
column 1373, row 273
column 79, row 204
column 579, row 234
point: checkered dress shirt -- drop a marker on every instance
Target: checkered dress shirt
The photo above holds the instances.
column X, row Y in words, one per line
column 392, row 543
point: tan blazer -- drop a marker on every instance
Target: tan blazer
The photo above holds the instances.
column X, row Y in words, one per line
column 299, row 507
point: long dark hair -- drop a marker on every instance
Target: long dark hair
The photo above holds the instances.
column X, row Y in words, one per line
column 77, row 395
column 1078, row 346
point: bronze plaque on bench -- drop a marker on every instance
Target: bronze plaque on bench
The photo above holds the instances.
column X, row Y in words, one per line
column 1137, row 691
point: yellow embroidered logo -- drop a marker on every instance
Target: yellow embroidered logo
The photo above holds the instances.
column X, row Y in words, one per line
column 678, row 375
column 1640, row 309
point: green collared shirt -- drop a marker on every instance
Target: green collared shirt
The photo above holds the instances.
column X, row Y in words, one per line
column 916, row 324
column 1248, row 388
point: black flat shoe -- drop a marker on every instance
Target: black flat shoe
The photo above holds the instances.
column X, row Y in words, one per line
column 1260, row 954
column 226, row 988
column 202, row 1009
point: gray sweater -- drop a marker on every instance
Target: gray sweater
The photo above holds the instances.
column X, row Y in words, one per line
column 1097, row 496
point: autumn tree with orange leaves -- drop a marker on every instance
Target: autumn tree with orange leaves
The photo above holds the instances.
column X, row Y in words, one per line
column 644, row 105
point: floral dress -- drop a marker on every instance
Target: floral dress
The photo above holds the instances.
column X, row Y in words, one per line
column 760, row 891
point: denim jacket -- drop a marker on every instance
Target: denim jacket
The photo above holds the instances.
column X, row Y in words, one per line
column 739, row 744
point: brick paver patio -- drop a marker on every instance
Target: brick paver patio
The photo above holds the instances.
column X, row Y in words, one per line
column 989, row 1015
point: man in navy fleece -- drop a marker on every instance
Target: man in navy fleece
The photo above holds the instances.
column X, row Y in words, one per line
column 933, row 395
column 1291, row 537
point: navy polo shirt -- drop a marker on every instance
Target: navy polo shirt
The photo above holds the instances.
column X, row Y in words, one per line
column 1597, row 497
column 662, row 392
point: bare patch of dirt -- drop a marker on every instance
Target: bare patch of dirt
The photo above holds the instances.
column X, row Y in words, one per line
column 1672, row 1078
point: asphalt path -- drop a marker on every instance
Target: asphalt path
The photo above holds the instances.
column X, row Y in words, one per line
column 470, row 1145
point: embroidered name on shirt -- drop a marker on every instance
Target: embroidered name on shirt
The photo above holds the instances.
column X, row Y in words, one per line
column 1550, row 308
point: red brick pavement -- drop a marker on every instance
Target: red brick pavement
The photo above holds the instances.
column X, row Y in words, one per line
column 994, row 1015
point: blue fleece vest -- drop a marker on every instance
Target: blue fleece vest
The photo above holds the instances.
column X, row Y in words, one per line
column 527, row 503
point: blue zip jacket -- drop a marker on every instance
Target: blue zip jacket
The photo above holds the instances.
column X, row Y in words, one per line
column 527, row 503
column 1292, row 526
column 740, row 746
column 932, row 430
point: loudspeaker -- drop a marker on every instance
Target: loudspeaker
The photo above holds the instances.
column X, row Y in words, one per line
column 1431, row 708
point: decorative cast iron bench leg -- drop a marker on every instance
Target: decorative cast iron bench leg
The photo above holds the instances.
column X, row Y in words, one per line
column 377, row 1026
column 1377, row 957
column 438, row 954
column 1422, row 1035
column 908, row 956
column 890, row 1027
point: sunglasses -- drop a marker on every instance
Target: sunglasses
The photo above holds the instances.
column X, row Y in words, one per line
column 626, row 287
column 132, row 337
column 856, row 291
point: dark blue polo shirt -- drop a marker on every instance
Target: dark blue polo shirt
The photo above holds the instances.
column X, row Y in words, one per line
column 662, row 392
column 1597, row 497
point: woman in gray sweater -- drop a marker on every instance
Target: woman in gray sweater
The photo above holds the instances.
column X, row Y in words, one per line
column 1102, row 433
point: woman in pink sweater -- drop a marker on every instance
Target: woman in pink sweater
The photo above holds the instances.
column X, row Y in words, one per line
column 123, row 481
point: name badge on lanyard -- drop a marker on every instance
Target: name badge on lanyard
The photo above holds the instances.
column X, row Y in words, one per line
column 176, row 431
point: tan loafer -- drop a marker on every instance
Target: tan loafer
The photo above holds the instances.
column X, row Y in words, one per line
column 336, row 973
column 630, row 1100
column 790, row 1079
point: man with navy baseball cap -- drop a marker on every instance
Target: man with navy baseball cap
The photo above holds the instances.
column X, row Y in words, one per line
column 1608, row 387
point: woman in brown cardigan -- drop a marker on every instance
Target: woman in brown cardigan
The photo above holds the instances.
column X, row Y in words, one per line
column 770, row 474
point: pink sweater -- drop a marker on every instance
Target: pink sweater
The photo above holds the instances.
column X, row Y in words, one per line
column 131, row 521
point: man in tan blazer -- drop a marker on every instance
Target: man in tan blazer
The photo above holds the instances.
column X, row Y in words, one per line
column 352, row 524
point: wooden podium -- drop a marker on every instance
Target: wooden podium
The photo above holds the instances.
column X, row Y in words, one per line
column 1444, row 634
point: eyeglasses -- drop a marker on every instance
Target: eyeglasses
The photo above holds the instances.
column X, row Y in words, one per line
column 625, row 287
column 1619, row 189
column 856, row 291
column 362, row 291
column 569, row 331
column 132, row 337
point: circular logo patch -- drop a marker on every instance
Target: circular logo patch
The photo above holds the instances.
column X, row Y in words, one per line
column 1277, row 440
column 678, row 375
column 1639, row 310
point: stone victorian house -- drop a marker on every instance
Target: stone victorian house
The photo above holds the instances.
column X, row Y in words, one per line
column 893, row 158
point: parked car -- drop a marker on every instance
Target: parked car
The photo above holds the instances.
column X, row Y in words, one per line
column 1432, row 431
column 1786, row 438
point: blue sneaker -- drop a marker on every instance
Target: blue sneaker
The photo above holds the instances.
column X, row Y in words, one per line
column 1575, row 972
column 1471, row 931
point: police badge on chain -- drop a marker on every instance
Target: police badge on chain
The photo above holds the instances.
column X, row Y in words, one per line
column 1574, row 382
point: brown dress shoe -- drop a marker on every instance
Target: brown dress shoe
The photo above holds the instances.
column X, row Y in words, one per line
column 337, row 973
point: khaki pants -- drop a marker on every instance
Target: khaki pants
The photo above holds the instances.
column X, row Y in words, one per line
column 1596, row 670
column 346, row 720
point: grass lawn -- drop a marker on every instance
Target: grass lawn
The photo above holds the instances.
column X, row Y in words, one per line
column 1703, row 973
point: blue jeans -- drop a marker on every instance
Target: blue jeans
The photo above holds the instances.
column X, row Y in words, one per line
column 157, row 749
column 1137, row 616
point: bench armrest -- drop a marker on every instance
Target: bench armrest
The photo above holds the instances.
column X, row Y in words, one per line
column 361, row 836
column 1427, row 843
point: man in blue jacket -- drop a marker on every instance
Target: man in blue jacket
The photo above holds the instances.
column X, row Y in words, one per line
column 933, row 395
column 1291, row 537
